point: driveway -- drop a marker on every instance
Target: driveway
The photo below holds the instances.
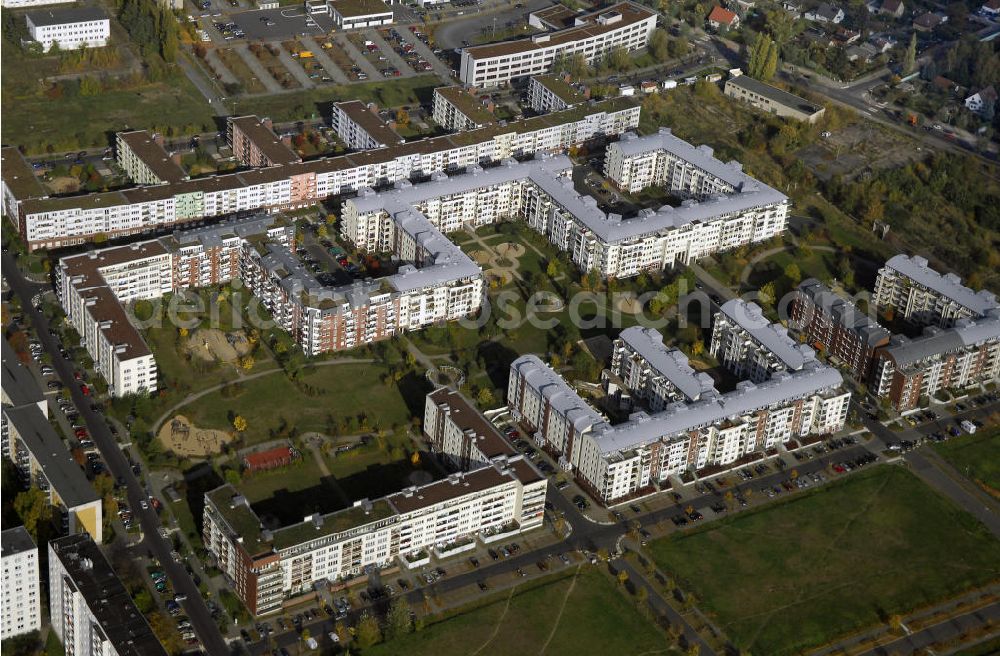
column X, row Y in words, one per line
column 387, row 50
column 328, row 64
column 443, row 70
column 366, row 65
column 295, row 68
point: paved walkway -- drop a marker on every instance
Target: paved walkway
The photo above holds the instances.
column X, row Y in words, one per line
column 960, row 618
column 258, row 69
column 260, row 374
column 213, row 59
column 661, row 607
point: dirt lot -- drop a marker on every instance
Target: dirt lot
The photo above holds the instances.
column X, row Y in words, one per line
column 187, row 440
column 856, row 148
column 212, row 344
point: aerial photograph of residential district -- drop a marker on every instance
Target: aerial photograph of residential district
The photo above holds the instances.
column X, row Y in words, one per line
column 500, row 327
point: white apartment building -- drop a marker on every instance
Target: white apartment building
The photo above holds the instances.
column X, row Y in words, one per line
column 552, row 93
column 42, row 460
column 91, row 612
column 70, row 27
column 925, row 297
column 624, row 25
column 95, row 286
column 458, row 109
column 354, row 14
column 65, row 221
column 491, row 502
column 92, row 288
column 360, row 128
column 23, row 4
column 21, row 611
column 18, row 182
column 455, row 429
column 750, row 346
column 654, row 373
column 142, row 156
column 617, row 462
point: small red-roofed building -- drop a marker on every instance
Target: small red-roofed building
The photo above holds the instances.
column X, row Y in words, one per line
column 720, row 17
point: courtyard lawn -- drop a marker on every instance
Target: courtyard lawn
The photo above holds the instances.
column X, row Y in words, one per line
column 976, row 457
column 558, row 617
column 799, row 574
column 303, row 474
column 274, row 402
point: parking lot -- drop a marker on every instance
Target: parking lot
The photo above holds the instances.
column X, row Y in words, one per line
column 274, row 50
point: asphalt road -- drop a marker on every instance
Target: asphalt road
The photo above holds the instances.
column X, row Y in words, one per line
column 194, row 606
column 945, row 631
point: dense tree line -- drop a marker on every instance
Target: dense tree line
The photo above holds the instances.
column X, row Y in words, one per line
column 152, row 27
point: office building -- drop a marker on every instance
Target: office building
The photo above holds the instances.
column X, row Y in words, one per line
column 91, row 612
column 458, row 109
column 360, row 128
column 552, row 93
column 835, row 325
column 355, row 14
column 142, row 156
column 21, row 611
column 750, row 346
column 924, row 297
column 70, row 27
column 772, row 100
column 624, row 25
column 64, row 221
column 265, row 566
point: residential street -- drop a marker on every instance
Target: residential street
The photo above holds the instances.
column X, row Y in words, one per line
column 194, row 606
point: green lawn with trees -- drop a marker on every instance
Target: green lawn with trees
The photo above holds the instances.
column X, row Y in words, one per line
column 563, row 615
column 798, row 574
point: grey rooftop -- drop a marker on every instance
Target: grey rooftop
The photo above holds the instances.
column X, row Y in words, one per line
column 671, row 363
column 948, row 285
column 771, row 336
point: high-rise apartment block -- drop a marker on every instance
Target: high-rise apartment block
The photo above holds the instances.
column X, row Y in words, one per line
column 21, row 611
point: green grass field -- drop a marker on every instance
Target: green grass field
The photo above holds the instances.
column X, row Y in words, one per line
column 801, row 573
column 976, row 456
column 266, row 402
column 301, row 104
column 84, row 121
column 561, row 617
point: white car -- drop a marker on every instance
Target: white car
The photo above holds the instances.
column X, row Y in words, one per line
column 334, row 638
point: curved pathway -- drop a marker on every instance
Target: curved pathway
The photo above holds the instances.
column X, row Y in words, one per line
column 260, row 374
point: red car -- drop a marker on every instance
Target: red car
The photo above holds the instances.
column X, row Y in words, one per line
column 81, row 433
column 85, row 390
